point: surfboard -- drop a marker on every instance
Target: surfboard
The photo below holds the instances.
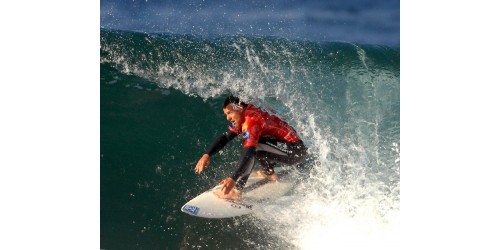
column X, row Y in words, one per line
column 257, row 190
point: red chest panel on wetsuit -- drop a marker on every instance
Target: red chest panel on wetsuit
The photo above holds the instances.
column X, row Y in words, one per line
column 259, row 123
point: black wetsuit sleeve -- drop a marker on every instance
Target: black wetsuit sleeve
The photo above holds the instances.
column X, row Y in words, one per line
column 220, row 142
column 245, row 163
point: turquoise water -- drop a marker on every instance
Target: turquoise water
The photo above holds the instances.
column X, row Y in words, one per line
column 161, row 97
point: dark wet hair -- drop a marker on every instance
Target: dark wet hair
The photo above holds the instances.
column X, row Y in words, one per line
column 234, row 100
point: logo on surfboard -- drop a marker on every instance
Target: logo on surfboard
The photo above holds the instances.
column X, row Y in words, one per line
column 191, row 209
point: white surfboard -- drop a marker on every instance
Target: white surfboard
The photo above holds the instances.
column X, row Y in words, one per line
column 256, row 190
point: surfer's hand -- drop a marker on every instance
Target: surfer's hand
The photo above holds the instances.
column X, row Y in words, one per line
column 227, row 185
column 202, row 163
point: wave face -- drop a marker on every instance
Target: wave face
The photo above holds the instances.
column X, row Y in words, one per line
column 161, row 98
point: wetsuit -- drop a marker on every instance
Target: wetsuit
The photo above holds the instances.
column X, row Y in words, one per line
column 266, row 138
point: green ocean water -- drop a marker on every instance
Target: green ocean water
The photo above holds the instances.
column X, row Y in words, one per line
column 161, row 98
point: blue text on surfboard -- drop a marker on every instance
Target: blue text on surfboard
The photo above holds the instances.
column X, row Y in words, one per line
column 191, row 209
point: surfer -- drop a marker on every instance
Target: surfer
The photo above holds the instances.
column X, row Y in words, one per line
column 267, row 139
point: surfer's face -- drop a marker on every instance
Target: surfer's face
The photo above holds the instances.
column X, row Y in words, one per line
column 234, row 114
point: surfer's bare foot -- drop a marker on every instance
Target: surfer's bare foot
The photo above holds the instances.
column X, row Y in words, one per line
column 272, row 177
column 232, row 195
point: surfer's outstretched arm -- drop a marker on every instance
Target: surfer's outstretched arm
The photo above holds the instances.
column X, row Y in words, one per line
column 215, row 147
column 220, row 142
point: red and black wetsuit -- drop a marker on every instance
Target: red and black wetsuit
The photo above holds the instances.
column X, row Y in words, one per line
column 267, row 138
